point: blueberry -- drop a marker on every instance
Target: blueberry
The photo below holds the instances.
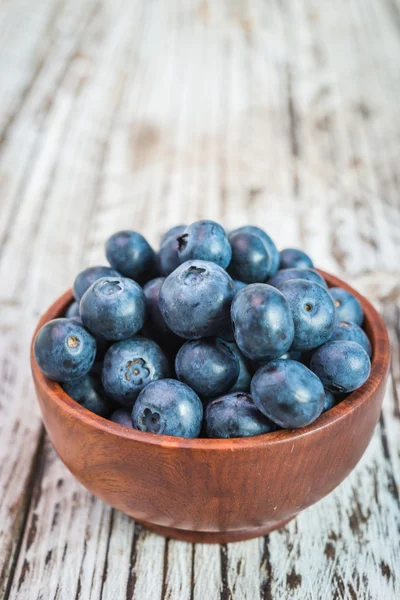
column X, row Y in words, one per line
column 251, row 261
column 208, row 366
column 72, row 310
column 155, row 327
column 113, row 308
column 294, row 258
column 330, row 401
column 243, row 381
column 89, row 393
column 168, row 407
column 239, row 285
column 172, row 232
column 288, row 393
column 263, row 324
column 167, row 257
column 132, row 256
column 205, row 240
column 64, row 350
column 313, row 313
column 269, row 244
column 155, row 321
column 287, row 274
column 122, row 416
column 130, row 365
column 235, row 415
column 348, row 308
column 195, row 300
column 84, row 280
column 352, row 333
column 342, row 366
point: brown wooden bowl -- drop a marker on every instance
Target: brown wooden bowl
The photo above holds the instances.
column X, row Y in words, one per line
column 206, row 490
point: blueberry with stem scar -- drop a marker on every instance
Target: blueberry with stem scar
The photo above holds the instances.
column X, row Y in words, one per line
column 64, row 350
column 195, row 300
column 168, row 407
column 113, row 308
column 130, row 365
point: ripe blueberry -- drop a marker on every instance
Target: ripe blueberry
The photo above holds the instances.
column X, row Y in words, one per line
column 313, row 313
column 168, row 407
column 342, row 366
column 294, row 258
column 132, row 256
column 348, row 308
column 64, row 350
column 129, row 366
column 195, row 300
column 288, row 393
column 263, row 324
column 235, row 415
column 205, row 240
column 113, row 308
column 208, row 366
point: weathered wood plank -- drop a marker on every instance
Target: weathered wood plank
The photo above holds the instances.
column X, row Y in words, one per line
column 21, row 139
column 36, row 245
column 25, row 38
column 292, row 125
column 18, row 320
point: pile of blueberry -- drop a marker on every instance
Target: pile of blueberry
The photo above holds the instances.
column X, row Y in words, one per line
column 217, row 335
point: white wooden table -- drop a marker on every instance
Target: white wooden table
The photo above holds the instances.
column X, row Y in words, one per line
column 143, row 114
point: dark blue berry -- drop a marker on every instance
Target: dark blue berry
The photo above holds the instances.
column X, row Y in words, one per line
column 352, row 333
column 130, row 365
column 195, row 300
column 172, row 232
column 89, row 393
column 122, row 416
column 235, row 415
column 288, row 393
column 342, row 366
column 113, row 308
column 287, row 274
column 168, row 407
column 243, row 381
column 269, row 244
column 167, row 257
column 208, row 366
column 313, row 313
column 348, row 308
column 155, row 320
column 72, row 311
column 64, row 350
column 263, row 324
column 330, row 400
column 84, row 280
column 132, row 256
column 205, row 240
column 251, row 262
column 294, row 258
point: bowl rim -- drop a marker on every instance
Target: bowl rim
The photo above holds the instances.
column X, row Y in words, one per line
column 377, row 333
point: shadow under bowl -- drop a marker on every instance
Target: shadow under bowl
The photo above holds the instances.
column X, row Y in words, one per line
column 208, row 490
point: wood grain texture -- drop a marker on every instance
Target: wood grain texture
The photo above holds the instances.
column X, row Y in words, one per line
column 278, row 113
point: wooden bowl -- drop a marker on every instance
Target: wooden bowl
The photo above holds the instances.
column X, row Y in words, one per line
column 206, row 490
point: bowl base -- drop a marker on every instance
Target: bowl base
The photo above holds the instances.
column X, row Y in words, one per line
column 214, row 537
